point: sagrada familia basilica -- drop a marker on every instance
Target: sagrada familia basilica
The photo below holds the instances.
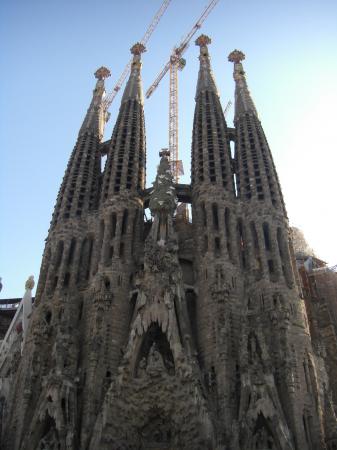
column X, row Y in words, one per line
column 171, row 333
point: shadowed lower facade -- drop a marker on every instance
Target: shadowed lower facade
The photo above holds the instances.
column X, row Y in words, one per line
column 169, row 333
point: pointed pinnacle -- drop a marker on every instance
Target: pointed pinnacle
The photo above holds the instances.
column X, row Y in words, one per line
column 236, row 56
column 102, row 73
column 138, row 48
column 203, row 40
column 164, row 152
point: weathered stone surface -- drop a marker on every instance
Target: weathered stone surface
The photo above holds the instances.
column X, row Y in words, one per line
column 163, row 333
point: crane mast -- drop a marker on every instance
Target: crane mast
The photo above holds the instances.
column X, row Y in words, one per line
column 175, row 63
column 110, row 97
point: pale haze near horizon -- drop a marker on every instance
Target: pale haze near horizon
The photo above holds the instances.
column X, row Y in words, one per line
column 50, row 51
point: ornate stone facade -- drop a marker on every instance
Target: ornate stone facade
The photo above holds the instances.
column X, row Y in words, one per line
column 169, row 333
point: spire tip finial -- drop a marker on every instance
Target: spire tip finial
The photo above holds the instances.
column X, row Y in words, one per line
column 138, row 48
column 165, row 152
column 203, row 40
column 236, row 56
column 102, row 73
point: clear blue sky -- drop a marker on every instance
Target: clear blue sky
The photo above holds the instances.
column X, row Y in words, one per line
column 50, row 50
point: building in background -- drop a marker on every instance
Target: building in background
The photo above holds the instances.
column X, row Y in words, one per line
column 318, row 283
column 172, row 333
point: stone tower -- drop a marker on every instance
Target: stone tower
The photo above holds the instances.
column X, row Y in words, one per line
column 169, row 333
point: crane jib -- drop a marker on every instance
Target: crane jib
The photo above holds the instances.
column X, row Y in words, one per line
column 110, row 97
column 173, row 64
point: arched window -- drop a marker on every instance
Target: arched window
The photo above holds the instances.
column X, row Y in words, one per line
column 264, row 437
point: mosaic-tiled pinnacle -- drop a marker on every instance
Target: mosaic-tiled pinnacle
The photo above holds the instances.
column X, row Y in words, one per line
column 134, row 89
column 243, row 100
column 205, row 78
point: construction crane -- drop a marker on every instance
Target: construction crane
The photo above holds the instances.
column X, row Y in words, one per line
column 110, row 97
column 228, row 107
column 175, row 63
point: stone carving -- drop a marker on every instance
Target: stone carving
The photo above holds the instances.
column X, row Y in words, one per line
column 155, row 363
column 30, row 283
column 263, row 440
column 123, row 352
column 102, row 73
column 157, row 433
column 236, row 56
column 49, row 441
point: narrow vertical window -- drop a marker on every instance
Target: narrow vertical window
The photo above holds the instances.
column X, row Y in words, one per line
column 217, row 246
column 125, row 221
column 71, row 251
column 59, row 253
column 85, row 259
column 204, row 215
column 89, row 256
column 66, row 280
column 101, row 233
column 254, row 238
column 215, row 216
column 205, row 244
column 134, row 232
column 241, row 243
column 266, row 235
column 236, row 191
column 232, row 146
column 306, row 375
column 113, row 225
column 256, row 247
column 228, row 233
column 284, row 256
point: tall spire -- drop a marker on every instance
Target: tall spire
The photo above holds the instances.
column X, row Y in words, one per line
column 256, row 175
column 206, row 80
column 125, row 166
column 243, row 100
column 96, row 116
column 211, row 162
column 133, row 89
column 80, row 186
